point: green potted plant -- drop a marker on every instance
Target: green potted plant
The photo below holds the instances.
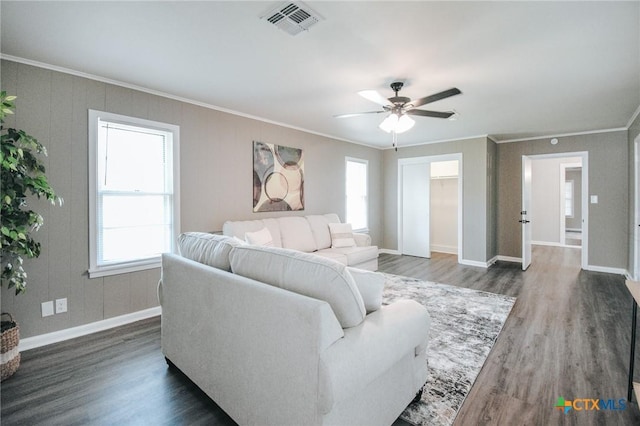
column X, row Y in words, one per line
column 22, row 176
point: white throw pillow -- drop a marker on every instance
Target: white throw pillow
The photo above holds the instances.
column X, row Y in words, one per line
column 341, row 235
column 371, row 286
column 259, row 238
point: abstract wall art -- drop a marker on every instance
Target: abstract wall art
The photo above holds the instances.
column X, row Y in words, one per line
column 278, row 178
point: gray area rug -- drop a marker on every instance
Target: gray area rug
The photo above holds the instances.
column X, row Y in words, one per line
column 465, row 324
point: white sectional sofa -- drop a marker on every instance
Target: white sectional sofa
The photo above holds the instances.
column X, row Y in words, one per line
column 310, row 234
column 280, row 337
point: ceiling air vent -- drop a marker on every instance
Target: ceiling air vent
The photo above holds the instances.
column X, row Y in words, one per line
column 292, row 17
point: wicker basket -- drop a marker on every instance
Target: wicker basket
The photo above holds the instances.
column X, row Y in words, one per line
column 9, row 354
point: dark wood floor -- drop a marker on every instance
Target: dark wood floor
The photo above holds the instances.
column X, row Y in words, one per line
column 568, row 335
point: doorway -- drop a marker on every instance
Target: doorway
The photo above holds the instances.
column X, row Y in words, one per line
column 571, row 204
column 542, row 224
column 429, row 194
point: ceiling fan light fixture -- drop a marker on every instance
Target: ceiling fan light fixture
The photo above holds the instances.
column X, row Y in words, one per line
column 396, row 124
column 404, row 123
column 390, row 123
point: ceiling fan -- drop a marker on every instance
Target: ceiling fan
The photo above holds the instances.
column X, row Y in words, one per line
column 401, row 107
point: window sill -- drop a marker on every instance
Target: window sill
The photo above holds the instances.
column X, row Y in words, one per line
column 125, row 268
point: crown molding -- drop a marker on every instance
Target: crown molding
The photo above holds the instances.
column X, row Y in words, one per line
column 170, row 96
column 562, row 135
column 633, row 117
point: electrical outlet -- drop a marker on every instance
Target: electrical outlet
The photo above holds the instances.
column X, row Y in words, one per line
column 61, row 305
column 47, row 308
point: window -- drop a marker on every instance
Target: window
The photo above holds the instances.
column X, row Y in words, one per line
column 133, row 192
column 568, row 198
column 356, row 191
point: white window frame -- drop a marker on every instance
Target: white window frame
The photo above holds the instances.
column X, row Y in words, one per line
column 346, row 195
column 96, row 269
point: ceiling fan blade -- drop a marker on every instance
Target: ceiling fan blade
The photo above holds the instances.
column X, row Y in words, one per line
column 354, row 114
column 436, row 114
column 436, row 97
column 374, row 96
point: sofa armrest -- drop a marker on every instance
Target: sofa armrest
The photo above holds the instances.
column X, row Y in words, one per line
column 362, row 240
column 371, row 348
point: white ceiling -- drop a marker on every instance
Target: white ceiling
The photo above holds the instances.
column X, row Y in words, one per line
column 526, row 69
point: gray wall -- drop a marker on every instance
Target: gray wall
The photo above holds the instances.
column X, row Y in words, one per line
column 474, row 192
column 216, row 184
column 608, row 178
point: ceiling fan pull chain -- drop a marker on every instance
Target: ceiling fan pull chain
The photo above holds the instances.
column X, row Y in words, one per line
column 395, row 140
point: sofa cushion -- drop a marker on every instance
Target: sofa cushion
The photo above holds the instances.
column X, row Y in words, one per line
column 212, row 250
column 356, row 255
column 303, row 273
column 371, row 285
column 296, row 234
column 341, row 235
column 240, row 227
column 259, row 238
column 320, row 228
column 331, row 254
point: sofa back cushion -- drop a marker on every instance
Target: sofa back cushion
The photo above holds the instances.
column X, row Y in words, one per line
column 320, row 228
column 212, row 250
column 303, row 273
column 296, row 234
column 240, row 228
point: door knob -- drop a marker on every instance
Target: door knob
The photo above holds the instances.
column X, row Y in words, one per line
column 524, row 221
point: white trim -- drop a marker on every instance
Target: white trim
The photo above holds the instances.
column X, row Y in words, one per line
column 562, row 135
column 389, row 251
column 606, row 269
column 170, row 96
column 444, row 249
column 475, row 263
column 552, row 244
column 633, row 117
column 509, row 259
column 83, row 330
column 438, row 141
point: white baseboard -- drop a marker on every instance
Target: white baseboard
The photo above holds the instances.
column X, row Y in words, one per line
column 509, row 259
column 474, row 263
column 444, row 249
column 546, row 243
column 607, row 269
column 389, row 251
column 83, row 330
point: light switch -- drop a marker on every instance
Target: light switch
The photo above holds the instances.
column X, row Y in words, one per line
column 594, row 199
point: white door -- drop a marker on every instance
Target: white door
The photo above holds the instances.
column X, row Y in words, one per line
column 416, row 180
column 525, row 213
